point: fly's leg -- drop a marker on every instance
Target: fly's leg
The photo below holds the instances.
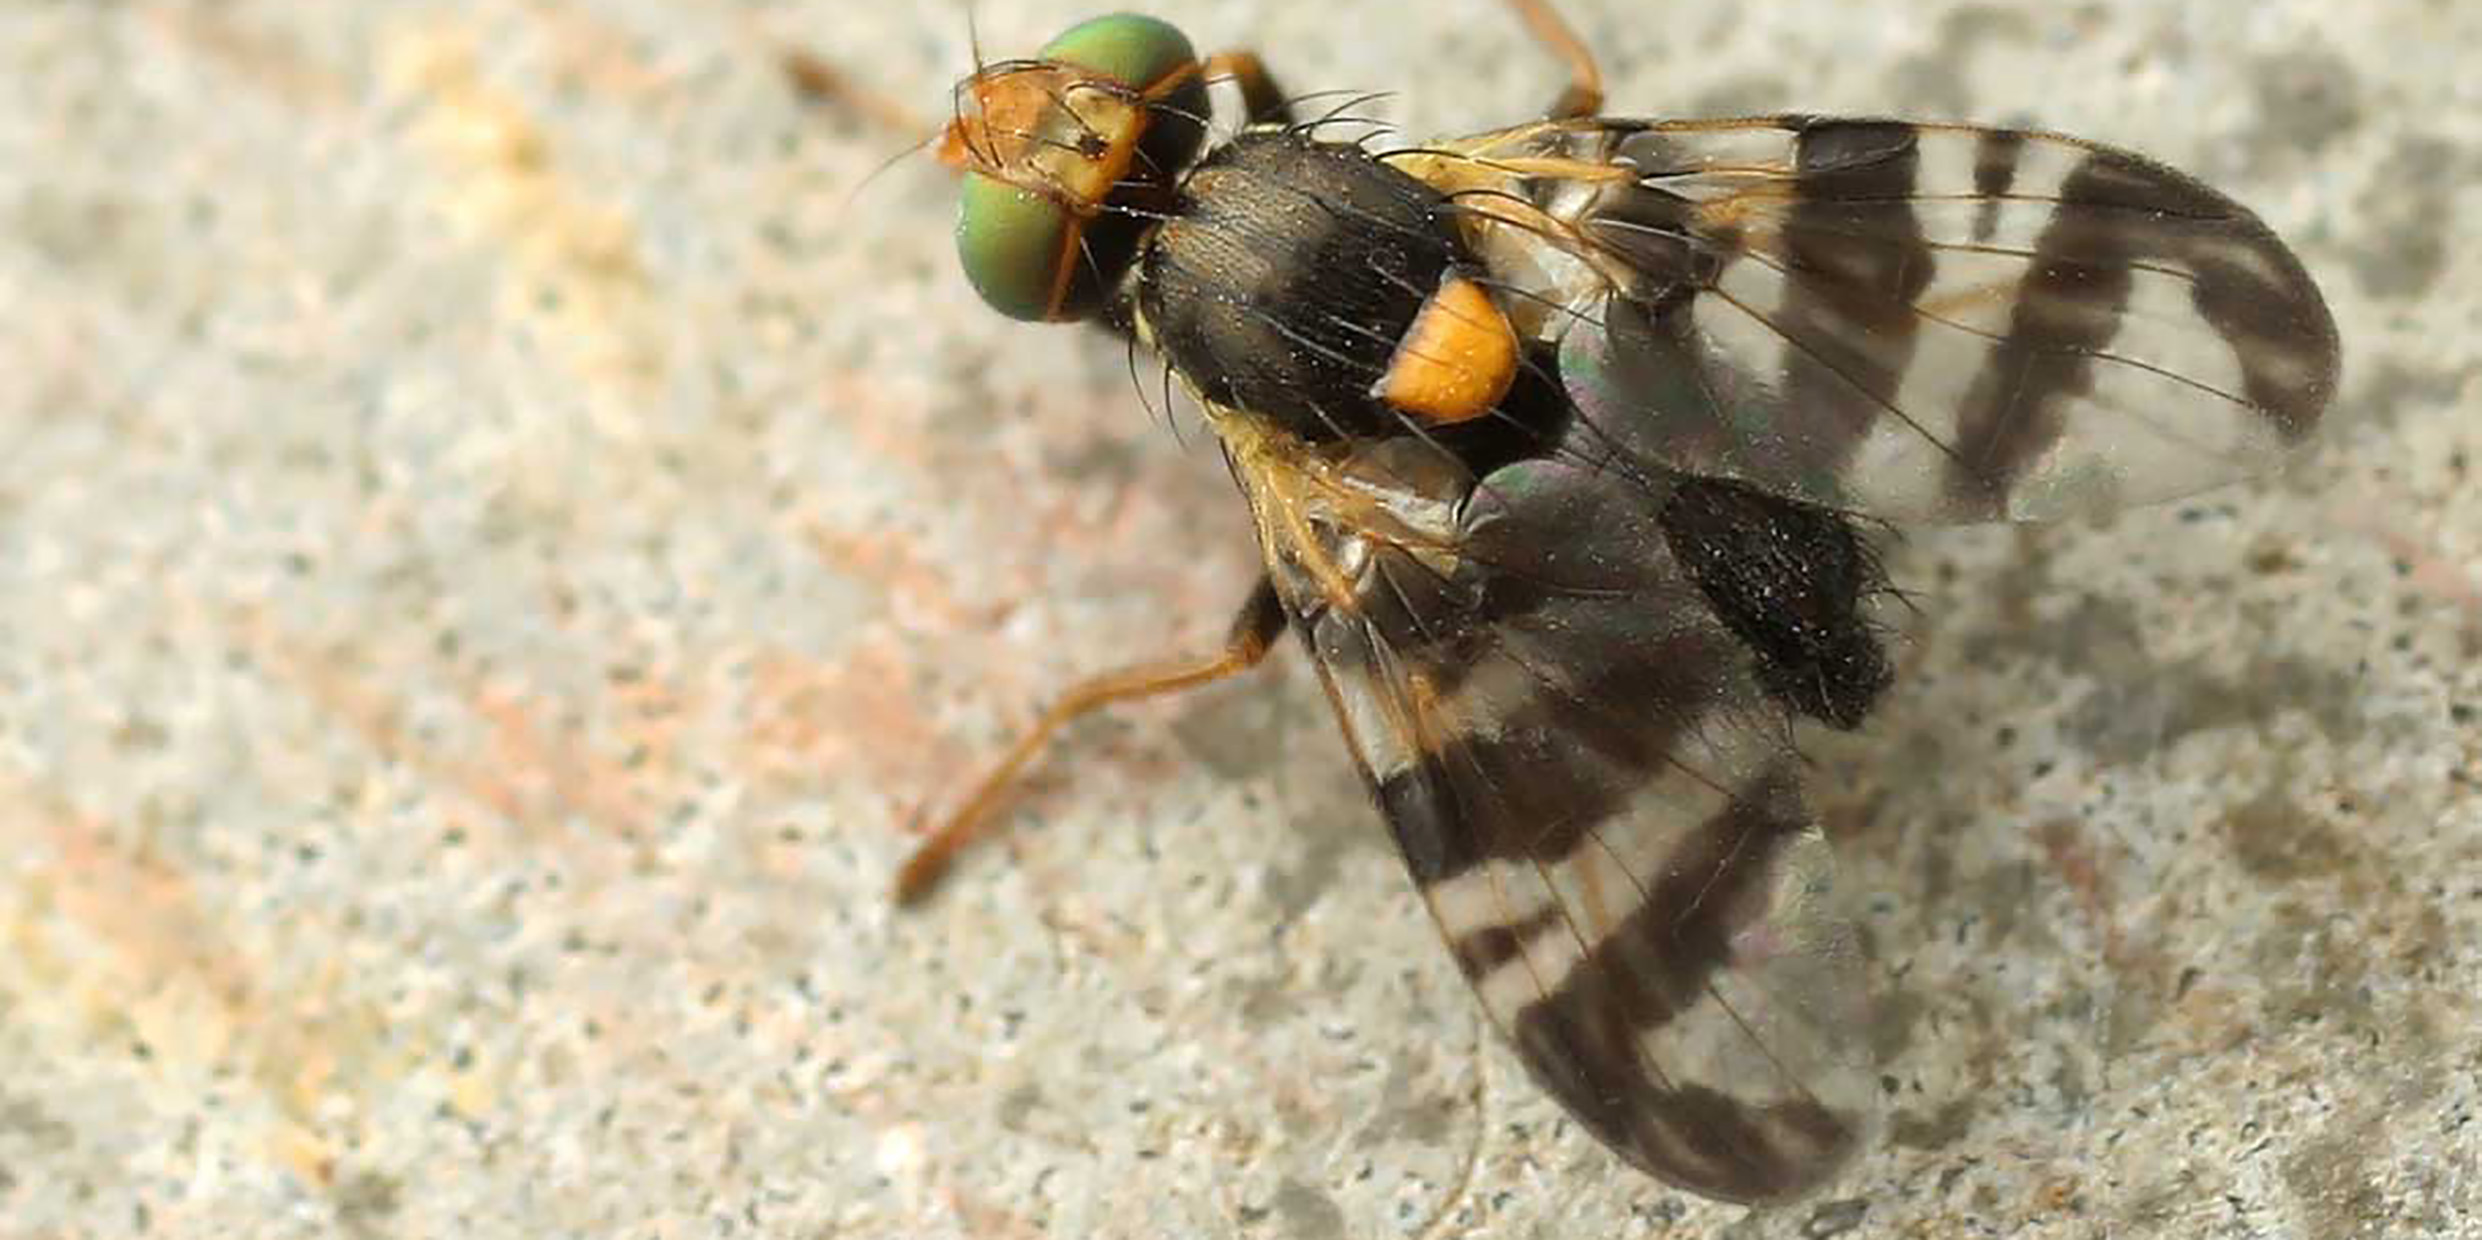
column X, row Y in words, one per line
column 1260, row 97
column 821, row 82
column 1254, row 630
column 1584, row 94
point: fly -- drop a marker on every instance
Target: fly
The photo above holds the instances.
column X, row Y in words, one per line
column 1559, row 441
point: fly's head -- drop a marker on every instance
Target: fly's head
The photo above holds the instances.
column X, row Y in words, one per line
column 1067, row 159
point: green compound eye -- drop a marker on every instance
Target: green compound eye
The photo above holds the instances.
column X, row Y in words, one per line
column 1011, row 243
column 1129, row 48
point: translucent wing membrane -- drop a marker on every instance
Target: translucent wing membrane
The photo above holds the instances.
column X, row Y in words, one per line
column 1593, row 791
column 1914, row 322
column 1555, row 437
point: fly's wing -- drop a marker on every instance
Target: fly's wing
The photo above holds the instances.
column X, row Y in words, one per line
column 1592, row 786
column 1924, row 323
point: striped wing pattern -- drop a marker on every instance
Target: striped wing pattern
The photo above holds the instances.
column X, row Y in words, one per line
column 1570, row 673
column 1923, row 323
column 1569, row 608
column 1595, row 795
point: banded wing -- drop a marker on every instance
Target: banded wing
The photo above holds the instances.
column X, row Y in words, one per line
column 1921, row 323
column 1591, row 784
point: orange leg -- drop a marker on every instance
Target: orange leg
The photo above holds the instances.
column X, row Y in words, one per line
column 1254, row 630
column 822, row 82
column 1584, row 93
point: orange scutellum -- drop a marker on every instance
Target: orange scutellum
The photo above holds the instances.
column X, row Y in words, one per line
column 1456, row 360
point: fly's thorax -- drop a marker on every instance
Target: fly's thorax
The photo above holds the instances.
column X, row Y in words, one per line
column 1067, row 158
column 1314, row 286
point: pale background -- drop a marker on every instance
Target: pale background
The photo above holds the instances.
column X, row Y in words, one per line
column 500, row 531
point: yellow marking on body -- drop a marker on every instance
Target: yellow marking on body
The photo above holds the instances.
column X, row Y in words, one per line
column 1525, row 137
column 1452, row 175
column 1497, row 208
column 1481, row 189
column 1559, row 168
column 1457, row 359
column 1304, row 496
column 1273, row 469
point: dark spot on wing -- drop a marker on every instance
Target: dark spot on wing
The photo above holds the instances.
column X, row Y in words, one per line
column 1790, row 581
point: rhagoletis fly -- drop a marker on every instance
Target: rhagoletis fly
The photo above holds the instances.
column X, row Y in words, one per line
column 1559, row 440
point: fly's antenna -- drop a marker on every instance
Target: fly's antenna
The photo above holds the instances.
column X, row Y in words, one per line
column 883, row 168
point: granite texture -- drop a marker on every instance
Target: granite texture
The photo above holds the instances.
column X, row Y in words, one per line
column 505, row 521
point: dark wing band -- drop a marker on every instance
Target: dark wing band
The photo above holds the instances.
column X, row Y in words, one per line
column 1596, row 797
column 1918, row 322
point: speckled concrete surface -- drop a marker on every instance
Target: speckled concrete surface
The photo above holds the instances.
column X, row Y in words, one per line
column 502, row 530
